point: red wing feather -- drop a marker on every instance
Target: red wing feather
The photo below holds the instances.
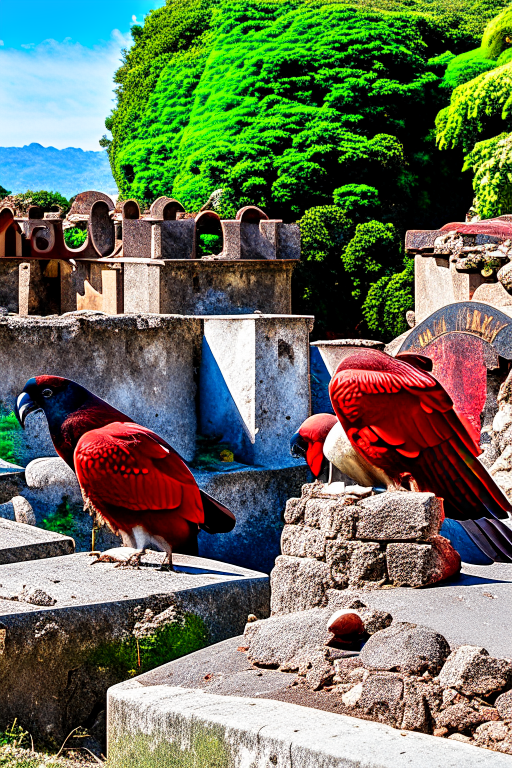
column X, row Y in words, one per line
column 128, row 466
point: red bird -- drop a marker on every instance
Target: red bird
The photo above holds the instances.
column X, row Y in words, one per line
column 398, row 416
column 132, row 478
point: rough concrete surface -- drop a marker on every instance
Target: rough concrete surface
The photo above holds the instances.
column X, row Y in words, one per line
column 57, row 662
column 142, row 364
column 153, row 719
column 257, row 496
column 474, row 608
column 20, row 542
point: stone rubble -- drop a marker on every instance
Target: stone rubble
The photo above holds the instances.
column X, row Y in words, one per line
column 358, row 539
column 405, row 676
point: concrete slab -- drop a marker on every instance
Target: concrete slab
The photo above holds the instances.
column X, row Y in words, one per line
column 155, row 721
column 257, row 496
column 475, row 608
column 20, row 542
column 106, row 625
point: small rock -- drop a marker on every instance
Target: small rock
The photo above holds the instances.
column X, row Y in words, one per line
column 460, row 737
column 23, row 511
column 472, row 671
column 459, row 717
column 382, row 698
column 406, row 648
column 352, row 697
column 374, row 620
column 345, row 622
column 441, row 732
column 278, row 640
column 41, row 473
column 36, row 596
column 488, row 734
column 344, row 668
column 504, row 705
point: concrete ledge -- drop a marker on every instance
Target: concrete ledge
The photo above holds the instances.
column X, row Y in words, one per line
column 103, row 625
column 177, row 726
column 20, row 542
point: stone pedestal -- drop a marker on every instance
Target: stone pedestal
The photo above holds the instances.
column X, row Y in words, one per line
column 358, row 541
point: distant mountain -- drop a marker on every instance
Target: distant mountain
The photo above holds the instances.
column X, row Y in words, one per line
column 67, row 171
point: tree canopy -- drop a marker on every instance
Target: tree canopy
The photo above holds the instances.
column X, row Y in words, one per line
column 314, row 110
column 478, row 119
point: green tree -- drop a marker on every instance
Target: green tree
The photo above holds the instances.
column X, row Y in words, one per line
column 3, row 192
column 478, row 120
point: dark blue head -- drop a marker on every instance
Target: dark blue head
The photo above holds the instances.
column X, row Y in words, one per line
column 70, row 409
column 57, row 397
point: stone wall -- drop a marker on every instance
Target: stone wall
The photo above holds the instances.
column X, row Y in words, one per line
column 357, row 539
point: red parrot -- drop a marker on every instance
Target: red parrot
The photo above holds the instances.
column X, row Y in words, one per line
column 398, row 416
column 132, row 478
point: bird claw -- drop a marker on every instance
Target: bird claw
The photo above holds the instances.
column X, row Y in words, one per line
column 122, row 557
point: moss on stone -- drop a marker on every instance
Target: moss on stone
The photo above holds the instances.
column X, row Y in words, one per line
column 208, row 749
column 140, row 653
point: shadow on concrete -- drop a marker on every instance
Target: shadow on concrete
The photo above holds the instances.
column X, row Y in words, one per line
column 219, row 416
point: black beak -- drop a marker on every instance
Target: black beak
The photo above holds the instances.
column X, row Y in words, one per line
column 298, row 446
column 24, row 406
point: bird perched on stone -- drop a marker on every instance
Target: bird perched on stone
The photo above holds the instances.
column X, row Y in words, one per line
column 130, row 476
column 322, row 441
column 401, row 420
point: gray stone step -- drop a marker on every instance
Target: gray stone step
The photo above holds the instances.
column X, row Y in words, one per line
column 20, row 542
column 102, row 624
column 213, row 708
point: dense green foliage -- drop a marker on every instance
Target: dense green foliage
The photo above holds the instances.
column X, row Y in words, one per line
column 3, row 192
column 311, row 109
column 479, row 119
column 352, row 277
column 9, row 436
column 61, row 520
column 75, row 236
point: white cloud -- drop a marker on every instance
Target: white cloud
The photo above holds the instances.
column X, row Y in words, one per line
column 58, row 93
column 134, row 18
column 1, row 42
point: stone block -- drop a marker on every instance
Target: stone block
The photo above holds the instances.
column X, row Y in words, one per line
column 298, row 584
column 294, row 511
column 178, row 239
column 399, row 516
column 141, row 287
column 257, row 497
column 288, row 241
column 407, row 648
column 355, row 563
column 137, row 238
column 334, row 517
column 277, row 641
column 20, row 542
column 254, row 391
column 416, row 565
column 217, row 287
column 143, row 365
column 470, row 670
column 504, row 706
column 62, row 658
column 381, row 699
column 302, row 541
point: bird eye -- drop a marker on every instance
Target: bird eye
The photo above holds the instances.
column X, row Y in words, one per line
column 47, row 393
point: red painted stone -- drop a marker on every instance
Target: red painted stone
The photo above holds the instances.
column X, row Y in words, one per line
column 345, row 622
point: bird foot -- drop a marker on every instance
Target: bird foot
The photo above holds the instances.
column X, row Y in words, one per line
column 123, row 557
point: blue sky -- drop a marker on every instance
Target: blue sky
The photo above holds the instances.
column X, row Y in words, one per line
column 57, row 61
